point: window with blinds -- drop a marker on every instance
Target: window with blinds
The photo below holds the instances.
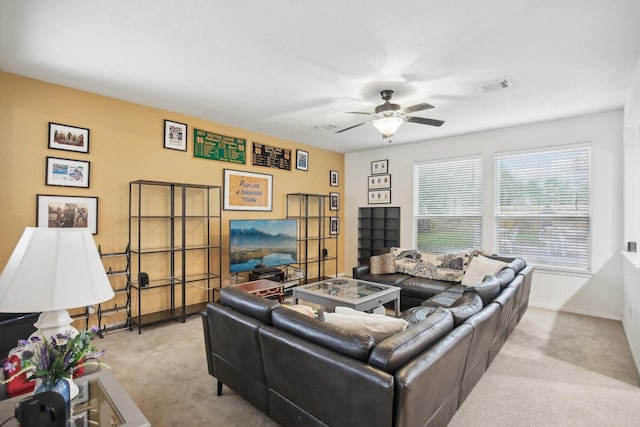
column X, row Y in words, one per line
column 543, row 206
column 448, row 205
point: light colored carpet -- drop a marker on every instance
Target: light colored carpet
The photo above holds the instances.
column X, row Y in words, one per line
column 556, row 369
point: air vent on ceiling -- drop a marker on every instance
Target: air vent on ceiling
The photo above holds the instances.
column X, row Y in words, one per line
column 490, row 87
column 327, row 127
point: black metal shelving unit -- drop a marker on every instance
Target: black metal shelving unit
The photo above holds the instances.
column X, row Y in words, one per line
column 317, row 247
column 175, row 238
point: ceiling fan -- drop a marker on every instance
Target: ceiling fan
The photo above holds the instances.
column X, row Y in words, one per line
column 388, row 117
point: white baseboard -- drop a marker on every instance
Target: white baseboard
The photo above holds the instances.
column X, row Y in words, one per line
column 574, row 311
column 634, row 355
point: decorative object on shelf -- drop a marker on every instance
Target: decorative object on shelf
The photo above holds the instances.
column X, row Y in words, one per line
column 212, row 146
column 67, row 172
column 379, row 197
column 271, row 157
column 379, row 166
column 67, row 212
column 49, row 271
column 302, row 160
column 334, row 201
column 333, row 225
column 333, row 178
column 175, row 135
column 379, row 181
column 68, row 138
column 247, row 191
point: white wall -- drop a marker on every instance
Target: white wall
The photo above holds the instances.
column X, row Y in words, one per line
column 598, row 293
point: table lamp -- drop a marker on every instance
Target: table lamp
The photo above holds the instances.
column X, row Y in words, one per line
column 50, row 271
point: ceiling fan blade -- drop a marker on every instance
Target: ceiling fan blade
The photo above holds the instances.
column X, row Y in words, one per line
column 358, row 112
column 423, row 121
column 417, row 107
column 354, row 126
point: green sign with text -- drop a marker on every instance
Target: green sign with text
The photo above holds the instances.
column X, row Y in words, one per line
column 209, row 145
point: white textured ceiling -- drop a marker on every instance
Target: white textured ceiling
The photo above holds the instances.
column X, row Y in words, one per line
column 282, row 67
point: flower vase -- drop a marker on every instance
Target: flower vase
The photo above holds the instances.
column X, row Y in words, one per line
column 60, row 386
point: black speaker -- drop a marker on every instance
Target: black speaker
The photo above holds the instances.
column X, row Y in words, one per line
column 143, row 279
column 325, row 253
column 46, row 409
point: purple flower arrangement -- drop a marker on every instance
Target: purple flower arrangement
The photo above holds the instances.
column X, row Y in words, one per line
column 63, row 356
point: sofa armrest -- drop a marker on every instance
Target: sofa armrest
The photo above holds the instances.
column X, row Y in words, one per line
column 360, row 271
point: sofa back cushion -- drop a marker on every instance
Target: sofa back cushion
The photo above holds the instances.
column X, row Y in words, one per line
column 430, row 265
column 398, row 349
column 353, row 344
column 505, row 276
column 465, row 306
column 487, row 290
column 249, row 304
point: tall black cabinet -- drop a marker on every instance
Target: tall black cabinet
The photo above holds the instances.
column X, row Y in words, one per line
column 378, row 227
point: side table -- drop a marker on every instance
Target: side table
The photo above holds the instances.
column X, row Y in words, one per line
column 263, row 288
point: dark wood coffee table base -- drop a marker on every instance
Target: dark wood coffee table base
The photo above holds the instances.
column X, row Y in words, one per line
column 263, row 288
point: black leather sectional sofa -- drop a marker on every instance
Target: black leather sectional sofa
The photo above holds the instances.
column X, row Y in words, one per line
column 304, row 372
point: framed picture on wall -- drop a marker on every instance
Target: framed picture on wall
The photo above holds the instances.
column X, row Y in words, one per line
column 175, row 135
column 68, row 138
column 333, row 225
column 67, row 172
column 379, row 166
column 67, row 212
column 379, row 197
column 247, row 191
column 334, row 201
column 333, row 178
column 302, row 160
column 379, row 181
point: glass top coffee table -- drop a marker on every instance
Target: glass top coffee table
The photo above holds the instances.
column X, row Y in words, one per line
column 102, row 402
column 347, row 292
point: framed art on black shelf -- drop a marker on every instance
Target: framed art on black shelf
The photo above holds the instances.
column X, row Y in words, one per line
column 379, row 197
column 379, row 166
column 67, row 212
column 67, row 172
column 175, row 135
column 68, row 138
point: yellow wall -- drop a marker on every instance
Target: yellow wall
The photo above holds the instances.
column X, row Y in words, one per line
column 126, row 144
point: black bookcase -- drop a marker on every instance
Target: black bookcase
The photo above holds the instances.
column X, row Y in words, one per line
column 378, row 227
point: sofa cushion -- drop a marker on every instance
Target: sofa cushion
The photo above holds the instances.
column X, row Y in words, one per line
column 422, row 288
column 249, row 304
column 353, row 344
column 386, row 279
column 446, row 298
column 487, row 290
column 382, row 264
column 479, row 267
column 400, row 348
column 439, row 266
column 378, row 326
column 465, row 306
column 505, row 276
column 415, row 315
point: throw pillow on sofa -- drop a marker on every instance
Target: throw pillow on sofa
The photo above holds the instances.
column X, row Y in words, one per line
column 430, row 265
column 479, row 267
column 378, row 326
column 382, row 264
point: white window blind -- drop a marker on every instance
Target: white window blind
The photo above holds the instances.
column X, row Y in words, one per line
column 448, row 205
column 543, row 206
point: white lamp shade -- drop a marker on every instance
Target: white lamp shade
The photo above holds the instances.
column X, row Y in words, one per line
column 53, row 269
column 388, row 125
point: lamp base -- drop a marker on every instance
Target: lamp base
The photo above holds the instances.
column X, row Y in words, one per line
column 51, row 323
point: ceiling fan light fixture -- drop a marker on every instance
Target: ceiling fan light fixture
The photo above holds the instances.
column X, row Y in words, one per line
column 388, row 125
